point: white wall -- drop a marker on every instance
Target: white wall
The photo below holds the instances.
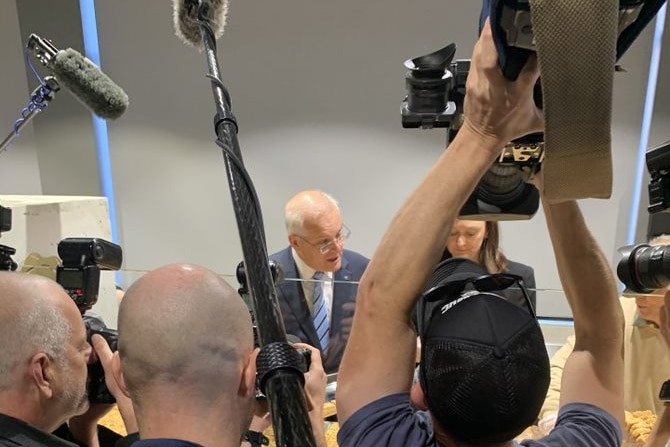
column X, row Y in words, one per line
column 19, row 169
column 316, row 88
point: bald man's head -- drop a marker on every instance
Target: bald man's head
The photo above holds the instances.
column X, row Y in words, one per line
column 31, row 321
column 44, row 355
column 183, row 325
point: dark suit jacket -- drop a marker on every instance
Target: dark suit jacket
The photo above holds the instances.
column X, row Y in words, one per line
column 515, row 295
column 297, row 317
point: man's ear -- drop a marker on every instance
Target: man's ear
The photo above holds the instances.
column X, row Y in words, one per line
column 43, row 373
column 293, row 240
column 417, row 397
column 117, row 373
column 248, row 382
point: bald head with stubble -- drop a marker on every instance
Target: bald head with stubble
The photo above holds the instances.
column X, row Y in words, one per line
column 183, row 329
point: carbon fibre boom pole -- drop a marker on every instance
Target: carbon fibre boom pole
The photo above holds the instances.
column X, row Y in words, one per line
column 281, row 381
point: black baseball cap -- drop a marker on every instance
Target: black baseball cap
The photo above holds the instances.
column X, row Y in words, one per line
column 484, row 365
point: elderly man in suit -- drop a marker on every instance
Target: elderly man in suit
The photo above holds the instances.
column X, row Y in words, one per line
column 317, row 294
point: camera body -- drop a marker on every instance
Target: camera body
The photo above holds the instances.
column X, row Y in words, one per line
column 436, row 91
column 658, row 165
column 82, row 259
column 97, row 388
column 435, row 94
column 5, row 219
column 6, row 252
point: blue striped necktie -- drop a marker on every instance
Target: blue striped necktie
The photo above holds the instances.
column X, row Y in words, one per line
column 320, row 312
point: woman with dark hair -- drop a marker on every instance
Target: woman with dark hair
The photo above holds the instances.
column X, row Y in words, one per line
column 479, row 241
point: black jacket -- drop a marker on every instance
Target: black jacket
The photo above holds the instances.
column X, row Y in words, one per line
column 16, row 433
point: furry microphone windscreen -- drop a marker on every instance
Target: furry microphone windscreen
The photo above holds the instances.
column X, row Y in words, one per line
column 186, row 19
column 88, row 84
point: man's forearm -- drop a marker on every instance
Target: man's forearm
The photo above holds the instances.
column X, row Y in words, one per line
column 414, row 242
column 593, row 373
column 660, row 434
column 585, row 274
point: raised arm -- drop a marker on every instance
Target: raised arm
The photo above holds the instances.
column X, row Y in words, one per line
column 660, row 434
column 380, row 354
column 549, row 409
column 593, row 373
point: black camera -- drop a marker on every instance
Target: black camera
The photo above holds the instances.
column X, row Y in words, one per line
column 6, row 261
column 5, row 219
column 82, row 259
column 241, row 274
column 658, row 165
column 97, row 388
column 643, row 268
column 304, row 356
column 435, row 94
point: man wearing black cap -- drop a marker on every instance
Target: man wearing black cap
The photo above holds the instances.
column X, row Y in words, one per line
column 484, row 368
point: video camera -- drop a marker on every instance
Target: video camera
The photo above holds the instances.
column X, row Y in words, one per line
column 436, row 90
column 6, row 261
column 658, row 165
column 435, row 93
column 643, row 268
column 82, row 259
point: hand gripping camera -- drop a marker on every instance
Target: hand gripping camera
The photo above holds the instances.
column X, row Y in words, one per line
column 82, row 259
column 435, row 93
column 436, row 89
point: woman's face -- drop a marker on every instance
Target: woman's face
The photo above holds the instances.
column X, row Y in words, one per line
column 466, row 239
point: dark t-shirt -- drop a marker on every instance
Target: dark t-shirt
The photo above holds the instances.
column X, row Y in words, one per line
column 392, row 422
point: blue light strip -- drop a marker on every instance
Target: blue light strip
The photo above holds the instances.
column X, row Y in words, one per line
column 646, row 124
column 555, row 322
column 90, row 31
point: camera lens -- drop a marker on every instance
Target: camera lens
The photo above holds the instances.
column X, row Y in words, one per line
column 501, row 184
column 643, row 268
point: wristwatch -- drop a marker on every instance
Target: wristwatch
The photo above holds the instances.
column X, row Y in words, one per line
column 256, row 438
column 664, row 394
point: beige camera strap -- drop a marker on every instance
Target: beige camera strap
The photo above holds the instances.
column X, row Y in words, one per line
column 575, row 42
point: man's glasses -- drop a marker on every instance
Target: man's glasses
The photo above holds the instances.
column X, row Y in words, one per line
column 325, row 247
column 484, row 283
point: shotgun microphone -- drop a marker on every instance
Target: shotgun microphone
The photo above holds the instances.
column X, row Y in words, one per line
column 81, row 77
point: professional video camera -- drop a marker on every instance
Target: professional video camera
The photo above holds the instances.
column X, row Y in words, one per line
column 435, row 93
column 436, row 88
column 658, row 165
column 6, row 261
column 643, row 268
column 82, row 259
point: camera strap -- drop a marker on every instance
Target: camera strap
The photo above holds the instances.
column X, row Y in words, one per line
column 577, row 44
column 576, row 49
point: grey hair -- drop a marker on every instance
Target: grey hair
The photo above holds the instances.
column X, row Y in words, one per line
column 661, row 239
column 41, row 329
column 294, row 216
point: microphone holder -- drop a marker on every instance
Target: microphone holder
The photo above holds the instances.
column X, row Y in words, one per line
column 278, row 367
column 39, row 100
